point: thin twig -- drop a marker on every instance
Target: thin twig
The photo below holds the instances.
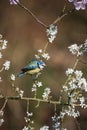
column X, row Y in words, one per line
column 31, row 13
column 27, row 105
column 37, row 99
column 4, row 105
column 62, row 15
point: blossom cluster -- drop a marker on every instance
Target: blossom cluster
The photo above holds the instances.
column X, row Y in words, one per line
column 3, row 46
column 76, row 84
column 28, row 121
column 36, row 85
column 17, row 89
column 79, row 4
column 46, row 94
column 52, row 32
column 42, row 54
column 45, row 127
column 78, row 49
column 69, row 111
column 56, row 122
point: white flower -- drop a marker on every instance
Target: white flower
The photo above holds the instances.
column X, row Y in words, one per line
column 1, row 121
column 65, row 88
column 78, row 74
column 82, row 100
column 46, row 56
column 6, row 65
column 0, row 55
column 71, row 112
column 74, row 49
column 46, row 93
column 12, row 77
column 4, row 46
column 44, row 128
column 39, row 84
column 34, row 88
column 69, row 71
column 37, row 56
column 25, row 128
column 40, row 51
column 51, row 32
column 29, row 114
column 51, row 38
column 21, row 92
column 83, row 84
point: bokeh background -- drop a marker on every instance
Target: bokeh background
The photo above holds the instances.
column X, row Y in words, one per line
column 25, row 36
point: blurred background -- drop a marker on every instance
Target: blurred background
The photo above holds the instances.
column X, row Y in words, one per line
column 25, row 36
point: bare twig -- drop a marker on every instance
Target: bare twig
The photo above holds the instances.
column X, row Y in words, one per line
column 38, row 100
column 61, row 16
column 31, row 13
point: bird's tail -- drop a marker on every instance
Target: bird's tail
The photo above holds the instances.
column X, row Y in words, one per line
column 20, row 74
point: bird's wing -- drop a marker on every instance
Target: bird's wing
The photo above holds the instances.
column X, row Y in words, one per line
column 32, row 65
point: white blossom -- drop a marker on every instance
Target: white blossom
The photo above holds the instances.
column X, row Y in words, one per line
column 25, row 128
column 46, row 56
column 37, row 56
column 74, row 48
column 44, row 128
column 56, row 122
column 78, row 74
column 82, row 101
column 21, row 92
column 34, row 88
column 65, row 88
column 51, row 38
column 71, row 112
column 40, row 50
column 4, row 45
column 29, row 114
column 69, row 71
column 51, row 32
column 39, row 84
column 6, row 65
column 46, row 93
column 12, row 77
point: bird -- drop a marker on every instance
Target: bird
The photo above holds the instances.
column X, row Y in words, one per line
column 32, row 68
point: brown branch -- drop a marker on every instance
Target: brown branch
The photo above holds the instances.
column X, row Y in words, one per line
column 38, row 100
column 61, row 16
column 31, row 13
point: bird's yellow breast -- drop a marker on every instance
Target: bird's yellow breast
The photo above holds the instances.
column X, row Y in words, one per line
column 33, row 71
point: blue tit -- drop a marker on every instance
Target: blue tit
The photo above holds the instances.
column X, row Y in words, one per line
column 32, row 68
